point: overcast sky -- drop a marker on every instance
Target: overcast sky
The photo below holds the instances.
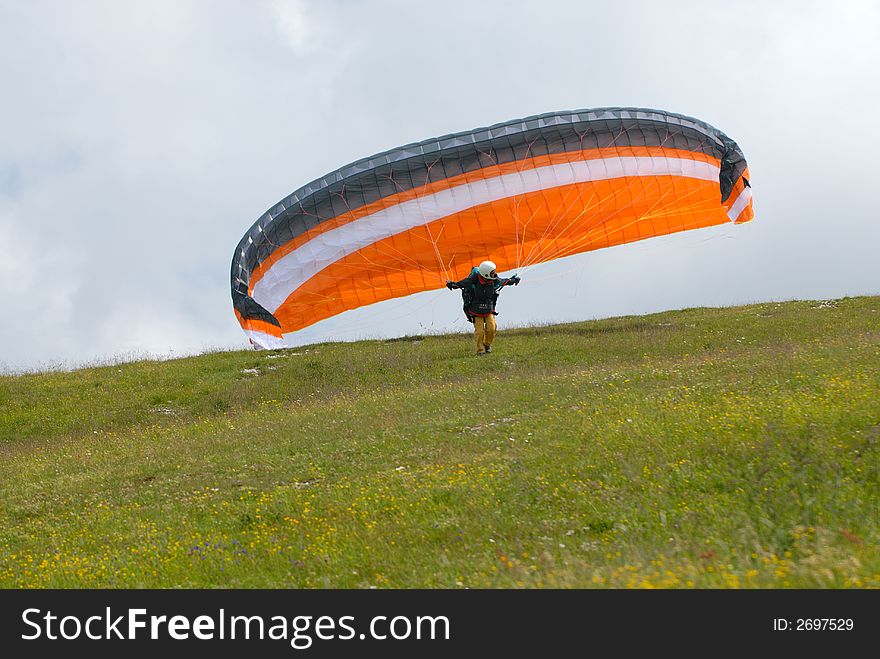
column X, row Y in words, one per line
column 140, row 140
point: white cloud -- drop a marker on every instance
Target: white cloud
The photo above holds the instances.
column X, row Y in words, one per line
column 294, row 24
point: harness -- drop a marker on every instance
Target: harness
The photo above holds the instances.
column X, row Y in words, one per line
column 478, row 298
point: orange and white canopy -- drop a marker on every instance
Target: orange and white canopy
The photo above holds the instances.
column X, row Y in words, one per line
column 516, row 193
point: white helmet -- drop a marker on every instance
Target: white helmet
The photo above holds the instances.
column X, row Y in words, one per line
column 487, row 270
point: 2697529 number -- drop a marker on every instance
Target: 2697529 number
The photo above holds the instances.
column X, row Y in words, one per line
column 824, row 624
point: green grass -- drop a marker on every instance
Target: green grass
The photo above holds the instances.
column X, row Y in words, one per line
column 708, row 447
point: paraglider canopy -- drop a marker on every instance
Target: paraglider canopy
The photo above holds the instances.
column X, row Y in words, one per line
column 516, row 193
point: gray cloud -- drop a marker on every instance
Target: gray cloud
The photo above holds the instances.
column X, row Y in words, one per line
column 141, row 139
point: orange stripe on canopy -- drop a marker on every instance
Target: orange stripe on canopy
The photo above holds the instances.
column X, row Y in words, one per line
column 525, row 229
column 258, row 325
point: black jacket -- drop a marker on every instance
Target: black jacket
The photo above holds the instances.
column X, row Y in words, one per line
column 480, row 297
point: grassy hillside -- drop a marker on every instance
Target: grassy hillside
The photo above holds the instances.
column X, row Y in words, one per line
column 709, row 447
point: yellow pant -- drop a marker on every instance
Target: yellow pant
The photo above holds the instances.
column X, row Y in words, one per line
column 484, row 331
